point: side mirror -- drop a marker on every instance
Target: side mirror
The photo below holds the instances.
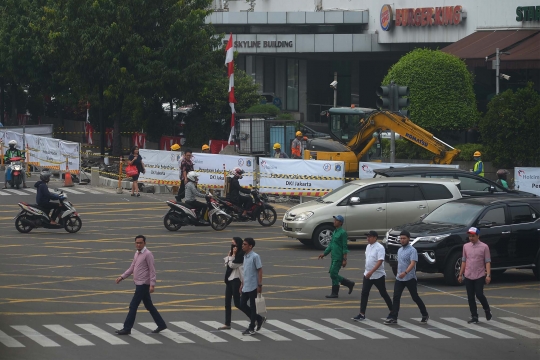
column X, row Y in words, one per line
column 354, row 201
column 484, row 224
column 491, row 189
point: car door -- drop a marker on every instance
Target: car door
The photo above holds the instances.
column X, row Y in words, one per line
column 369, row 214
column 495, row 232
column 435, row 195
column 525, row 239
column 405, row 203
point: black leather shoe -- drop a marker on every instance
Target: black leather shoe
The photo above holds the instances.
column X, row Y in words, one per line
column 123, row 332
column 158, row 330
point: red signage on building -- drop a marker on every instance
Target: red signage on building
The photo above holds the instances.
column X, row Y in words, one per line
column 428, row 16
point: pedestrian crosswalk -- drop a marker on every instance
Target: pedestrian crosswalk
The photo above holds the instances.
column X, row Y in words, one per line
column 183, row 332
column 79, row 190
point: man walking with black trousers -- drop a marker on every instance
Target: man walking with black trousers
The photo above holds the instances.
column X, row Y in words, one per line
column 476, row 264
column 144, row 276
column 374, row 274
column 251, row 286
column 406, row 278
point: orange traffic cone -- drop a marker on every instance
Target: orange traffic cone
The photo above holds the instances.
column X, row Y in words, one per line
column 68, row 182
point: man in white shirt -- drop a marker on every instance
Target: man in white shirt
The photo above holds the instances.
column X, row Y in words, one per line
column 374, row 274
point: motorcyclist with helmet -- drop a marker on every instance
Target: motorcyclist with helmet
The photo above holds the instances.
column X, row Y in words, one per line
column 236, row 191
column 192, row 192
column 501, row 178
column 44, row 196
column 11, row 153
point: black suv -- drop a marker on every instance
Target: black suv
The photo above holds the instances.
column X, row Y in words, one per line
column 509, row 225
column 471, row 184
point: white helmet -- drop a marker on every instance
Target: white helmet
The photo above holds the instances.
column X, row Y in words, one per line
column 12, row 142
column 193, row 176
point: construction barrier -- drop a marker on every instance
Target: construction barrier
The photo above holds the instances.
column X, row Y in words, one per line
column 527, row 179
column 365, row 169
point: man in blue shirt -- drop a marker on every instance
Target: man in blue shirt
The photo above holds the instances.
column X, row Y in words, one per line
column 251, row 286
column 406, row 278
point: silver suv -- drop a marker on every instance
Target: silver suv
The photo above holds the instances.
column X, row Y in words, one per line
column 370, row 204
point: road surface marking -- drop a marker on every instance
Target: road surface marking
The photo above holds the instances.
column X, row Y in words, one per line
column 102, row 334
column 33, row 191
column 69, row 335
column 514, row 330
column 356, row 329
column 522, row 322
column 9, row 341
column 476, row 327
column 293, row 330
column 18, row 192
column 137, row 335
column 34, row 335
column 535, row 318
column 177, row 338
column 206, row 335
column 265, row 332
column 422, row 330
column 389, row 329
column 324, row 329
column 234, row 333
column 3, row 193
column 452, row 330
column 92, row 191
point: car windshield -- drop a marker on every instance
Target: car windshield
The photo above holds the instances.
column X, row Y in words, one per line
column 454, row 213
column 338, row 193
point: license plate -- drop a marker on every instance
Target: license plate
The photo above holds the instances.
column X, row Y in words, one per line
column 392, row 257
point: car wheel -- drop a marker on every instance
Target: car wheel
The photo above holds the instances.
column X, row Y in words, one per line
column 322, row 236
column 305, row 241
column 452, row 269
column 536, row 270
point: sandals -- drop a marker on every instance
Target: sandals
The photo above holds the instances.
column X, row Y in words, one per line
column 224, row 327
column 132, row 194
column 138, row 195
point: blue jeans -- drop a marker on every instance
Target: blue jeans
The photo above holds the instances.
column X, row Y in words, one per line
column 142, row 293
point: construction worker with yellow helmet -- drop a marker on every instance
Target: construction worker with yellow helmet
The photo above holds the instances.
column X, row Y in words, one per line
column 479, row 165
column 205, row 148
column 278, row 153
column 175, row 147
column 296, row 147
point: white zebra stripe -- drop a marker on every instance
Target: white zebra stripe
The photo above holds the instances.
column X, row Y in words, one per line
column 69, row 335
column 356, row 329
column 206, row 335
column 234, row 333
column 137, row 335
column 102, row 334
column 8, row 340
column 324, row 329
column 452, row 330
column 34, row 335
column 293, row 330
column 265, row 332
column 477, row 328
column 177, row 338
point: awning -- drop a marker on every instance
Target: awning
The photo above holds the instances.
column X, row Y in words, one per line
column 524, row 55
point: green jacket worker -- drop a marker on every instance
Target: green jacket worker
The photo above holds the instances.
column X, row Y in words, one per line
column 339, row 250
column 479, row 165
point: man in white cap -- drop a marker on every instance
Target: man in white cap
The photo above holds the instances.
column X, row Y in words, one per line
column 476, row 265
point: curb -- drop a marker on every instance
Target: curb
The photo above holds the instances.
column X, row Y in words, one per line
column 126, row 184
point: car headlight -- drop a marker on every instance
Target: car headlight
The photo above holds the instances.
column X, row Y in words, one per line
column 432, row 239
column 303, row 216
column 385, row 240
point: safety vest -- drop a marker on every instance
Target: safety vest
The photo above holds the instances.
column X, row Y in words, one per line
column 296, row 149
column 477, row 165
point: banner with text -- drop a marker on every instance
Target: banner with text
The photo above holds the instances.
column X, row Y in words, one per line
column 6, row 136
column 527, row 179
column 300, row 177
column 365, row 169
column 162, row 167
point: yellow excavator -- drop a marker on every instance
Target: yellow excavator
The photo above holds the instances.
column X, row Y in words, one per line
column 356, row 130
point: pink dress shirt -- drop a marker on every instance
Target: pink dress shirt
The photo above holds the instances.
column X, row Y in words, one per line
column 142, row 268
column 476, row 256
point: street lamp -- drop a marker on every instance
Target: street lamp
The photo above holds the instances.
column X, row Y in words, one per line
column 497, row 64
column 333, row 85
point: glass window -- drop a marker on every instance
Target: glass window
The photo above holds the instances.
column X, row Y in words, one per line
column 495, row 216
column 435, row 191
column 292, row 84
column 454, row 213
column 404, row 193
column 338, row 193
column 373, row 195
column 473, row 184
column 269, row 79
column 521, row 214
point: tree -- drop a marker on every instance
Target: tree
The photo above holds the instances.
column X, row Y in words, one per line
column 441, row 90
column 510, row 128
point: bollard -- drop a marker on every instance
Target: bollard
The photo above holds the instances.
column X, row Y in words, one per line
column 94, row 181
column 119, row 188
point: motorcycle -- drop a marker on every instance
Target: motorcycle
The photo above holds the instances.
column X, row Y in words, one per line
column 14, row 172
column 261, row 211
column 32, row 216
column 180, row 214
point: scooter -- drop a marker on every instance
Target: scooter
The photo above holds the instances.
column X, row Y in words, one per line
column 261, row 211
column 14, row 172
column 32, row 216
column 180, row 214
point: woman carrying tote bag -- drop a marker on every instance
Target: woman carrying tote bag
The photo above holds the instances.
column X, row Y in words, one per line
column 135, row 160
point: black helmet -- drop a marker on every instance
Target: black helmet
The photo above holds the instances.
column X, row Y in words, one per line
column 45, row 175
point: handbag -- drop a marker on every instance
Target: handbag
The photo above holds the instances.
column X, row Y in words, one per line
column 260, row 304
column 131, row 170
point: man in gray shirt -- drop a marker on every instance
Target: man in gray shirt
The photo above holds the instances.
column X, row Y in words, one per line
column 192, row 193
column 406, row 278
column 251, row 286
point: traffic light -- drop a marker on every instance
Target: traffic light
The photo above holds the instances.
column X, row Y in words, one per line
column 386, row 100
column 399, row 100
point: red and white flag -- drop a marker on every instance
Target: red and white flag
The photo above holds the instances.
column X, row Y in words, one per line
column 229, row 62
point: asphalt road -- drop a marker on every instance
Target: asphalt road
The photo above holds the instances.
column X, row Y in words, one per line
column 58, row 298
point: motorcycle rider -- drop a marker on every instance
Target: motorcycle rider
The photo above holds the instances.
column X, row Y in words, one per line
column 236, row 191
column 501, row 178
column 44, row 197
column 192, row 192
column 11, row 153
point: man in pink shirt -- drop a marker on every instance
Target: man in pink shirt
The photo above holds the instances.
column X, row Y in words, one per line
column 476, row 264
column 144, row 277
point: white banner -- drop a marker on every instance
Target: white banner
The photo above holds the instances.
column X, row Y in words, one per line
column 6, row 136
column 161, row 166
column 44, row 152
column 365, row 169
column 300, row 177
column 70, row 151
column 527, row 179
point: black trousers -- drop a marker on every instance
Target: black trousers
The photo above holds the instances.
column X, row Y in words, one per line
column 142, row 293
column 199, row 206
column 55, row 207
column 399, row 286
column 251, row 310
column 232, row 292
column 246, row 202
column 181, row 191
column 366, row 287
column 476, row 287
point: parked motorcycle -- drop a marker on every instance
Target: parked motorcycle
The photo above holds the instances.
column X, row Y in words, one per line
column 180, row 214
column 261, row 211
column 14, row 172
column 32, row 216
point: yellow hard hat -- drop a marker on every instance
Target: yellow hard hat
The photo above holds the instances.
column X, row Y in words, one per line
column 205, row 147
column 298, row 133
column 277, row 146
column 477, row 154
column 175, row 147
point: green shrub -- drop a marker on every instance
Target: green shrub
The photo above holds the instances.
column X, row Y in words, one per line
column 467, row 151
column 285, row 116
column 263, row 109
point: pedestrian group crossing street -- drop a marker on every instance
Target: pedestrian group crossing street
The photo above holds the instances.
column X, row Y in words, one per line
column 182, row 332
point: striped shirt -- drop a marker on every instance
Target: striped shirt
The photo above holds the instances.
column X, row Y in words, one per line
column 142, row 268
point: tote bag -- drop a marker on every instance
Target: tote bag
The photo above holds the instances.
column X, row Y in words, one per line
column 131, row 170
column 260, row 304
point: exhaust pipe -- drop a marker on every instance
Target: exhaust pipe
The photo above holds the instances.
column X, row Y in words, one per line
column 27, row 222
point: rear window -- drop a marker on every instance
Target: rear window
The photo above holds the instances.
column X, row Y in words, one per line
column 404, row 193
column 495, row 216
column 522, row 214
column 435, row 191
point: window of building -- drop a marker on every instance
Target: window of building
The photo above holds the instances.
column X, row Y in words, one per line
column 269, row 80
column 292, row 84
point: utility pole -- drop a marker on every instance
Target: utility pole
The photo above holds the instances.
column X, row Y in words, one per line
column 497, row 71
column 335, row 89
